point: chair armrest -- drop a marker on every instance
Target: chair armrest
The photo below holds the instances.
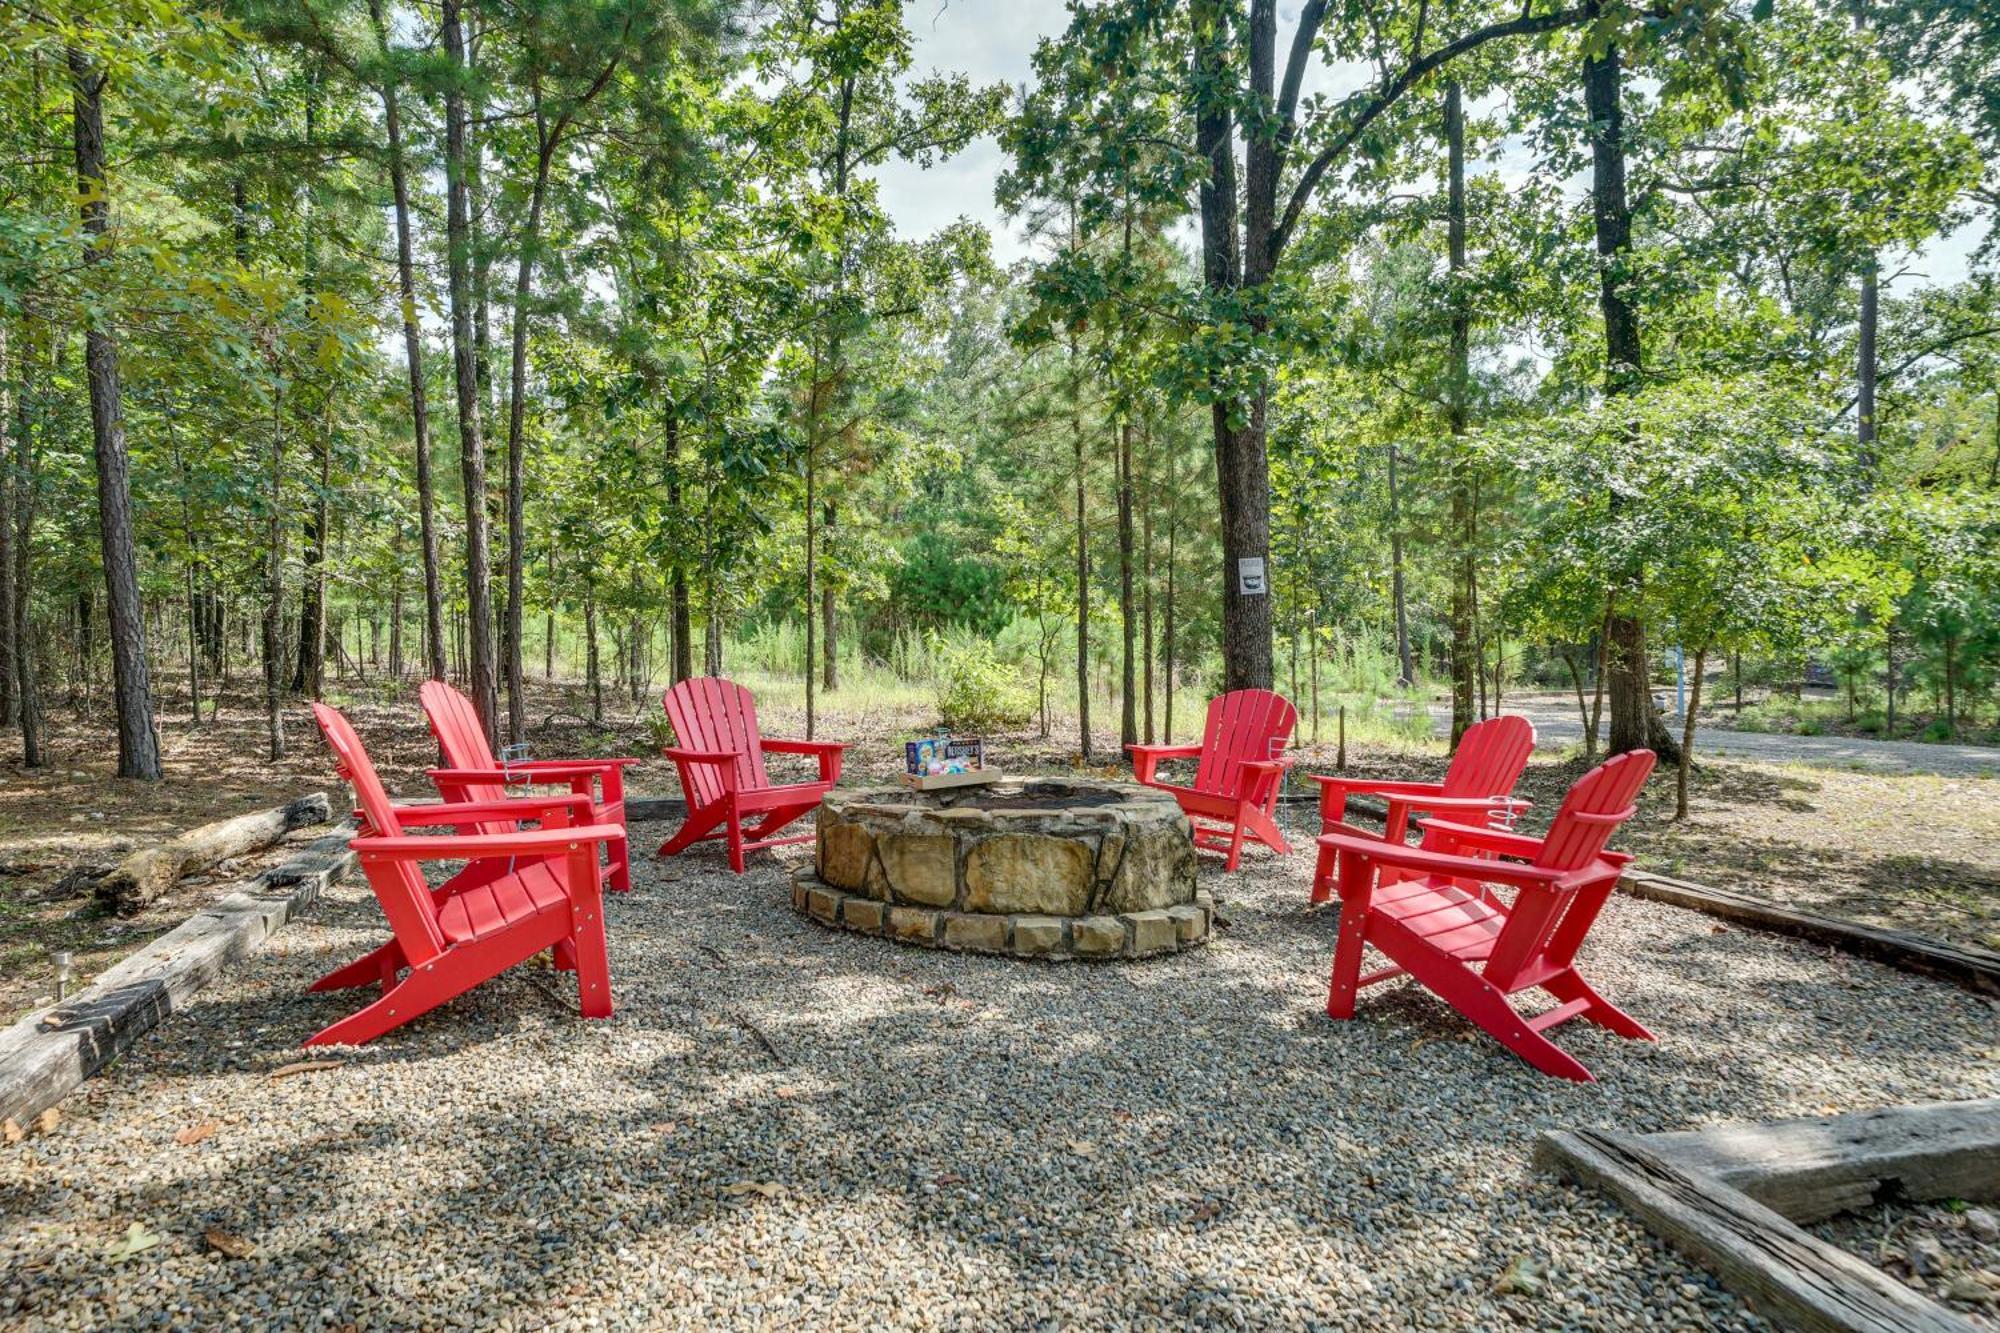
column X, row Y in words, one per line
column 1334, row 791
column 1488, row 839
column 829, row 753
column 1146, row 758
column 458, row 814
column 1416, row 858
column 550, row 765
column 479, row 846
column 783, row 746
column 581, row 775
column 702, row 756
column 1375, row 786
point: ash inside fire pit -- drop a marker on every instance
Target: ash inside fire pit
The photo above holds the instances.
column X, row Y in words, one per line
column 1046, row 867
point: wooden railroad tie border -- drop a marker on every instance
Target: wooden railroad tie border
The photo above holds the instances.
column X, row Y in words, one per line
column 1730, row 1198
column 47, row 1054
column 1967, row 965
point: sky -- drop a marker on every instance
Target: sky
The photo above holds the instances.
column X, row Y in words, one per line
column 994, row 41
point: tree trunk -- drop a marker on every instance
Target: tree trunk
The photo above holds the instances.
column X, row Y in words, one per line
column 1633, row 722
column 828, row 612
column 1463, row 536
column 26, row 481
column 274, row 589
column 1146, row 583
column 309, row 674
column 677, row 586
column 1082, row 567
column 517, row 395
column 9, row 386
column 592, row 671
column 1404, row 666
column 1128, row 708
column 812, row 555
column 466, row 342
column 1597, row 688
column 138, row 746
column 1167, row 662
column 413, row 357
column 1686, row 756
column 1864, row 399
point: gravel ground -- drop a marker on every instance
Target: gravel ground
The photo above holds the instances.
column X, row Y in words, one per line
column 787, row 1126
column 1950, row 1253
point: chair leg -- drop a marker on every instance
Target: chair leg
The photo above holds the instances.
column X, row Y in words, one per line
column 1569, row 986
column 621, row 867
column 417, row 994
column 377, row 966
column 1265, row 826
column 1322, row 882
column 593, row 969
column 1346, row 978
column 1235, row 849
column 1479, row 1001
column 735, row 839
column 692, row 830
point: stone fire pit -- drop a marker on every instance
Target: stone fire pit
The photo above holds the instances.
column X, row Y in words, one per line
column 1043, row 868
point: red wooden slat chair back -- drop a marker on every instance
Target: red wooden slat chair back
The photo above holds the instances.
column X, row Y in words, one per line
column 1479, row 782
column 1491, row 757
column 399, row 887
column 522, row 892
column 719, row 753
column 471, row 773
column 1435, row 912
column 455, row 723
column 1241, row 767
column 719, row 716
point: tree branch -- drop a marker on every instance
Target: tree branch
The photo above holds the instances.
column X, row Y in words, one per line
column 1392, row 92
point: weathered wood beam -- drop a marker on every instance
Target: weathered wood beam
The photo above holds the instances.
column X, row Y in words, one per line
column 1786, row 1274
column 47, row 1054
column 147, row 874
column 1965, row 965
column 1815, row 1167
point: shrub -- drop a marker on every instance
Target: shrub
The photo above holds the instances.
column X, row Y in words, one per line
column 1871, row 722
column 1810, row 726
column 1938, row 730
column 975, row 689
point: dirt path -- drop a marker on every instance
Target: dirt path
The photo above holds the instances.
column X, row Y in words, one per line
column 1557, row 724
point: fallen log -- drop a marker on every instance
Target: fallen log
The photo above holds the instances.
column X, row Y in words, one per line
column 147, row 874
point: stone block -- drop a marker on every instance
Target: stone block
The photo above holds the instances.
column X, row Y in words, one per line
column 1037, row 936
column 1152, row 931
column 1097, row 936
column 863, row 914
column 1030, row 873
column 1190, row 923
column 824, row 904
column 843, row 853
column 920, row 867
column 968, row 930
column 917, row 925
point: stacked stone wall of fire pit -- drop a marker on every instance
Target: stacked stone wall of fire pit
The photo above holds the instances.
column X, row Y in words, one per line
column 1056, row 868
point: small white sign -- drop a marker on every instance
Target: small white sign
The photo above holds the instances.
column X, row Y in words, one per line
column 1250, row 576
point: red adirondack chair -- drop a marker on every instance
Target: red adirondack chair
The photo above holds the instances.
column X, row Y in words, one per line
column 1235, row 791
column 720, row 757
column 1438, row 920
column 1488, row 762
column 546, row 893
column 473, row 774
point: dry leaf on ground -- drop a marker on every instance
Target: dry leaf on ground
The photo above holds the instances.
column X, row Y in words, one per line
column 193, row 1134
column 303, row 1067
column 228, row 1243
column 768, row 1189
column 136, row 1240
